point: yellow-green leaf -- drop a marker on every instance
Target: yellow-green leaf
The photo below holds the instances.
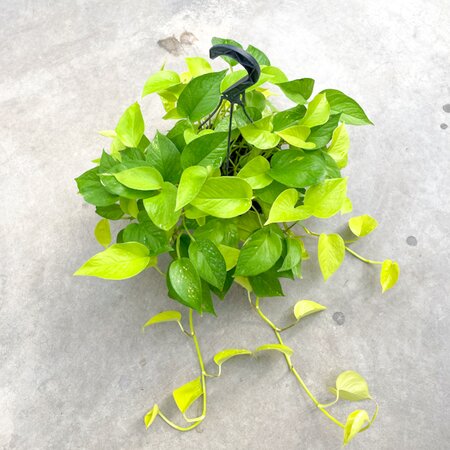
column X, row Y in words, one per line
column 350, row 385
column 161, row 207
column 340, row 144
column 225, row 355
column 129, row 206
column 103, row 232
column 362, row 225
column 151, row 416
column 192, row 180
column 276, row 347
column 347, row 206
column 165, row 316
column 327, row 198
column 284, row 210
column 255, row 172
column 297, row 136
column 389, row 274
column 331, row 252
column 304, row 308
column 356, row 421
column 318, row 112
column 244, row 282
column 230, row 255
column 144, row 178
column 198, row 66
column 131, row 127
column 185, row 395
column 160, row 81
column 259, row 134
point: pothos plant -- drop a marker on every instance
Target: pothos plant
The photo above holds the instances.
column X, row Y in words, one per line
column 235, row 217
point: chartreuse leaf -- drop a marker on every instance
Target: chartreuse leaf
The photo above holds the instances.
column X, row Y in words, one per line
column 351, row 386
column 304, row 308
column 362, row 225
column 185, row 395
column 276, row 347
column 93, row 191
column 297, row 136
column 144, row 178
column 208, row 261
column 200, row 96
column 224, row 197
column 351, row 112
column 331, row 252
column 317, row 113
column 327, row 198
column 389, row 274
column 130, row 128
column 207, row 150
column 259, row 253
column 356, row 422
column 230, row 255
column 298, row 90
column 276, row 74
column 129, row 206
column 347, row 206
column 161, row 207
column 284, row 210
column 165, row 316
column 118, row 262
column 103, row 232
column 225, row 355
column 192, row 180
column 151, row 416
column 184, row 283
column 198, row 66
column 340, row 144
column 164, row 156
column 255, row 173
column 259, row 134
column 160, row 81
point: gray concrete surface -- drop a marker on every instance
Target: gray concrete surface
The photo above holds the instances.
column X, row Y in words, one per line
column 75, row 370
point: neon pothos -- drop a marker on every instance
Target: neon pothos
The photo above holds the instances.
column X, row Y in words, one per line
column 244, row 226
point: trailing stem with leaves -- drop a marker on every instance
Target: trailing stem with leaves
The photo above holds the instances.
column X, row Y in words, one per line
column 230, row 215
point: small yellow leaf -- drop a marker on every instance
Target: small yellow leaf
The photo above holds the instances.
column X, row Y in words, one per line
column 351, row 386
column 277, row 347
column 347, row 206
column 185, row 395
column 331, row 253
column 103, row 232
column 225, row 355
column 356, row 421
column 304, row 308
column 362, row 225
column 151, row 416
column 165, row 316
column 389, row 274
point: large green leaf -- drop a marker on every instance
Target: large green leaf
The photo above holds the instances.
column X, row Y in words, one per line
column 327, row 198
column 331, row 252
column 200, row 96
column 208, row 261
column 93, row 191
column 111, row 212
column 266, row 284
column 322, row 134
column 255, row 172
column 118, row 262
column 131, row 127
column 144, row 178
column 288, row 118
column 295, row 168
column 298, row 90
column 206, row 150
column 160, row 81
column 317, row 113
column 161, row 207
column 184, row 283
column 259, row 253
column 293, row 255
column 219, row 231
column 192, row 180
column 259, row 55
column 164, row 156
column 224, row 197
column 351, row 112
column 284, row 210
column 259, row 134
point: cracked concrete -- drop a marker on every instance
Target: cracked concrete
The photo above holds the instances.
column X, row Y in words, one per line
column 75, row 370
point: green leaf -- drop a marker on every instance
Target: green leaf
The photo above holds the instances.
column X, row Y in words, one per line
column 131, row 127
column 118, row 262
column 295, row 168
column 192, row 180
column 351, row 386
column 224, row 197
column 151, row 416
column 260, row 134
column 160, row 81
column 276, row 74
column 284, row 210
column 198, row 66
column 317, row 113
column 260, row 56
column 352, row 113
column 340, row 144
column 255, row 172
column 208, row 261
column 163, row 155
column 304, row 308
column 176, row 134
column 356, row 422
column 288, row 118
column 103, row 232
column 362, row 225
column 327, row 198
column 230, row 255
column 165, row 316
column 389, row 274
column 207, row 150
column 161, row 207
column 200, row 96
column 185, row 395
column 322, row 134
column 93, row 191
column 219, row 231
column 184, row 283
column 218, row 40
column 298, row 90
column 266, row 284
column 259, row 253
column 225, row 355
column 293, row 255
column 144, row 178
column 296, row 136
column 331, row 252
column 111, row 212
column 276, row 347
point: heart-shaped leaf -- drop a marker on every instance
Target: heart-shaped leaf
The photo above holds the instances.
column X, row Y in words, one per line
column 103, row 232
column 284, row 210
column 362, row 225
column 389, row 274
column 304, row 308
column 331, row 252
column 356, row 422
column 351, row 386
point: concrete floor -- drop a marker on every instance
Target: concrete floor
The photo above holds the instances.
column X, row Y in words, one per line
column 75, row 370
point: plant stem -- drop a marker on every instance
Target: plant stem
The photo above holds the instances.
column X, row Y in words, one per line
column 187, row 230
column 276, row 330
